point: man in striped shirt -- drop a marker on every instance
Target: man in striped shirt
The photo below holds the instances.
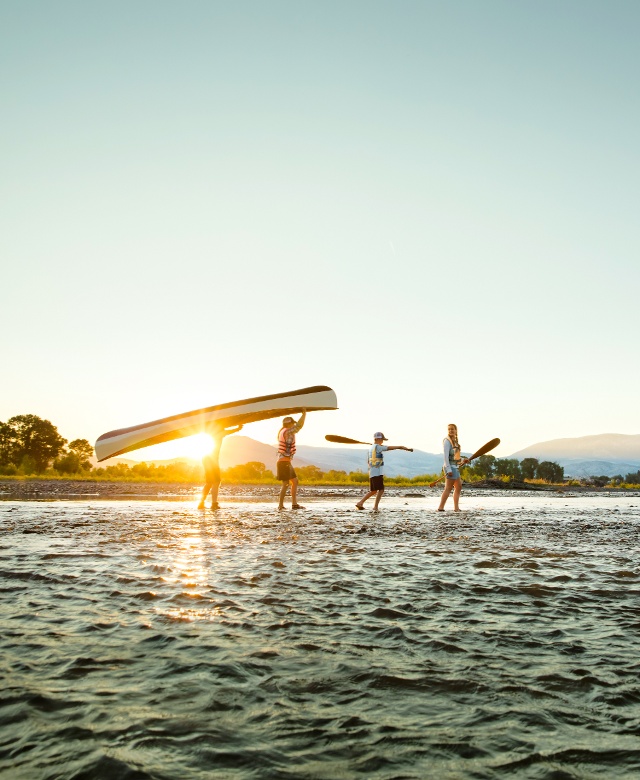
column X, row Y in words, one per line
column 286, row 451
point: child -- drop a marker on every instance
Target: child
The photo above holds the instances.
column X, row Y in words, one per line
column 376, row 463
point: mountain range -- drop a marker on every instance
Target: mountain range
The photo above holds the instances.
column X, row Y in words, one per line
column 603, row 454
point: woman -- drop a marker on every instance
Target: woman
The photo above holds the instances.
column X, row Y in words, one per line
column 451, row 468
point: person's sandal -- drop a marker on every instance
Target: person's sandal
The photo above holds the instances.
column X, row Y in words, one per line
column 297, row 506
column 215, row 506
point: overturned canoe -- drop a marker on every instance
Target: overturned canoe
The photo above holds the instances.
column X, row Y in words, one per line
column 313, row 399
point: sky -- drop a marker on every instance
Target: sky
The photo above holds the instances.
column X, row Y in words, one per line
column 429, row 206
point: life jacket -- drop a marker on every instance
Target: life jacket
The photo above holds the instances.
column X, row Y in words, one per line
column 454, row 453
column 376, row 460
column 286, row 450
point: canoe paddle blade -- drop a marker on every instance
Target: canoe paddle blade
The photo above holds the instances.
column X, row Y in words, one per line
column 343, row 439
column 490, row 445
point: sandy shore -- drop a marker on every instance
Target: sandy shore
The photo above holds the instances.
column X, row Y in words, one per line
column 51, row 489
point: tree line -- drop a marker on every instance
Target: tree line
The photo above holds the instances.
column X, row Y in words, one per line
column 488, row 466
column 30, row 445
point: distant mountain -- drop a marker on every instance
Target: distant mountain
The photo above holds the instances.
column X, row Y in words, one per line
column 596, row 468
column 397, row 462
column 603, row 446
column 237, row 450
column 604, row 454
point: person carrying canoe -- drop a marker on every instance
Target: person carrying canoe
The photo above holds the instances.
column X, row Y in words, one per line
column 376, row 463
column 211, row 464
column 286, row 451
column 451, row 468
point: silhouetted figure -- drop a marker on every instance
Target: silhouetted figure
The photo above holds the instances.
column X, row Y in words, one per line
column 211, row 464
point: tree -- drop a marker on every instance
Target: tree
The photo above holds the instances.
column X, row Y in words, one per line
column 528, row 467
column 336, row 476
column 485, row 466
column 33, row 440
column 6, row 445
column 252, row 471
column 309, row 473
column 508, row 467
column 633, row 479
column 75, row 459
column 550, row 471
column 83, row 450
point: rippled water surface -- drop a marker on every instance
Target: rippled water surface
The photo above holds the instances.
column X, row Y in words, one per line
column 149, row 640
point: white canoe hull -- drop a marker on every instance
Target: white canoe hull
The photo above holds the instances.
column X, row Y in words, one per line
column 235, row 413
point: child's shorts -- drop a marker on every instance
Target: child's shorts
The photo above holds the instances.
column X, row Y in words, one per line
column 376, row 483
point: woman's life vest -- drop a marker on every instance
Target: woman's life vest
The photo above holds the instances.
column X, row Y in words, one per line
column 376, row 460
column 454, row 453
column 286, row 448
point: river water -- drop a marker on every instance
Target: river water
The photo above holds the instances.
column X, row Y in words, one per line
column 145, row 639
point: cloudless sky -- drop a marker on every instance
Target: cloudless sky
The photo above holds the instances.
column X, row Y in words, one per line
column 429, row 206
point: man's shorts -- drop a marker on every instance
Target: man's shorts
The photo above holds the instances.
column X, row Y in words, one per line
column 211, row 469
column 376, row 483
column 286, row 472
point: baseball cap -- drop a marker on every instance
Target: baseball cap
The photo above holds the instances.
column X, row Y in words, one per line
column 380, row 435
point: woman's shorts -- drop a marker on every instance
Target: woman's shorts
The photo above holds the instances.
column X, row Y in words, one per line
column 286, row 472
column 455, row 473
column 376, row 483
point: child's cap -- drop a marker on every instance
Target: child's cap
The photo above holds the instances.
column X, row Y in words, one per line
column 380, row 435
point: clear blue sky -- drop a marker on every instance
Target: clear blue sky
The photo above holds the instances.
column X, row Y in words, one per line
column 429, row 206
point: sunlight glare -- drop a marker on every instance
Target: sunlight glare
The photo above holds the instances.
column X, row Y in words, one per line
column 197, row 446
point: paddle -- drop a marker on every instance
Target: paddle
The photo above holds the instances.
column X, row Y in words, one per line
column 343, row 440
column 490, row 445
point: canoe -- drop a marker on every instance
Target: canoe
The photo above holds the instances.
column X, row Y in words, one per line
column 313, row 399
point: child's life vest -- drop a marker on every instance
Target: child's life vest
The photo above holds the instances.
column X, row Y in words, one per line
column 376, row 460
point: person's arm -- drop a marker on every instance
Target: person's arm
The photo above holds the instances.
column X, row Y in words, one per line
column 398, row 447
column 447, row 452
column 300, row 422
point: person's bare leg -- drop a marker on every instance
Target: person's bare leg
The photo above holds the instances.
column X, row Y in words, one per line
column 445, row 494
column 378, row 497
column 205, row 493
column 215, row 486
column 294, row 491
column 360, row 503
column 456, row 495
column 283, row 493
